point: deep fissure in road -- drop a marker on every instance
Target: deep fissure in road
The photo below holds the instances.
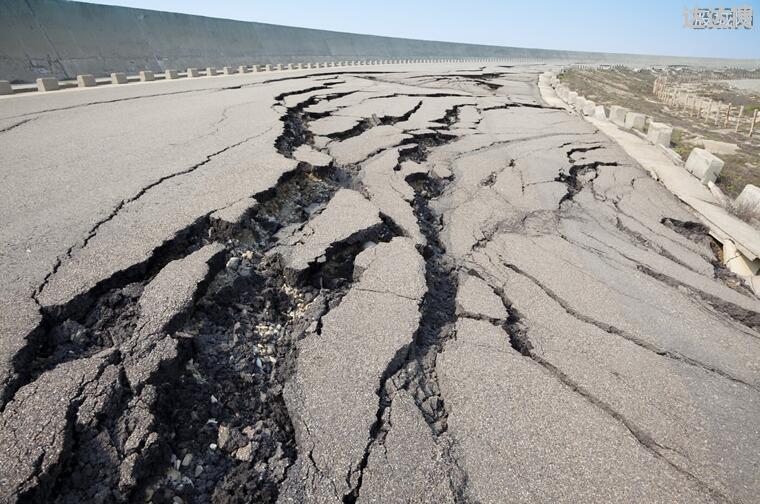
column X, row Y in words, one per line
column 245, row 329
column 413, row 367
column 224, row 375
column 100, row 318
column 210, row 422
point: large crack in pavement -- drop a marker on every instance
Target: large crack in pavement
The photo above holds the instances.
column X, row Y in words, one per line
column 167, row 416
column 374, row 325
column 94, row 230
column 520, row 341
column 524, row 346
column 413, row 368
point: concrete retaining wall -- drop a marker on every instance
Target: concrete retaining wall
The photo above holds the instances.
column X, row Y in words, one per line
column 62, row 39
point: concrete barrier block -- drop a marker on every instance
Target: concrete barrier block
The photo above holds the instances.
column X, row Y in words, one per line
column 267, row 68
column 704, row 165
column 589, row 107
column 147, row 75
column 278, row 66
column 47, row 84
column 255, row 68
column 599, row 112
column 228, row 70
column 242, row 69
column 617, row 115
column 211, row 71
column 635, row 120
column 171, row 74
column 86, row 80
column 659, row 133
column 118, row 78
column 749, row 198
column 193, row 72
column 737, row 263
column 5, row 87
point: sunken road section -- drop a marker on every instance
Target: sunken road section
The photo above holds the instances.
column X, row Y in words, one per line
column 339, row 286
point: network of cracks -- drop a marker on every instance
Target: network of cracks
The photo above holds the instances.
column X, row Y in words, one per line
column 201, row 414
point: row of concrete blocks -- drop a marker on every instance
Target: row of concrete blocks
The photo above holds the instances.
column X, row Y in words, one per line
column 702, row 164
column 581, row 104
column 88, row 80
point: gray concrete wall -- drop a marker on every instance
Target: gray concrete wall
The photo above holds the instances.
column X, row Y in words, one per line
column 63, row 39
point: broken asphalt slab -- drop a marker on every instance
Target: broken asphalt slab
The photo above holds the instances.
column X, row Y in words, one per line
column 405, row 285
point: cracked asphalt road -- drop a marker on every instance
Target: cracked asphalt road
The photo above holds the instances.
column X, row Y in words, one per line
column 407, row 285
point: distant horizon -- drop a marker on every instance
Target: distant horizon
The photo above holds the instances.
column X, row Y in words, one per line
column 649, row 27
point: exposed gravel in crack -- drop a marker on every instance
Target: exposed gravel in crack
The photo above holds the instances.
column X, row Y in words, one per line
column 215, row 425
column 232, row 420
column 230, row 416
column 100, row 318
column 218, row 429
column 413, row 367
column 91, row 463
column 94, row 230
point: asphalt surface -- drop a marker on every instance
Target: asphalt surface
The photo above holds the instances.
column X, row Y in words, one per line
column 404, row 284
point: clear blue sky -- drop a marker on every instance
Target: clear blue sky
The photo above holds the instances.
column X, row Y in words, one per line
column 643, row 27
